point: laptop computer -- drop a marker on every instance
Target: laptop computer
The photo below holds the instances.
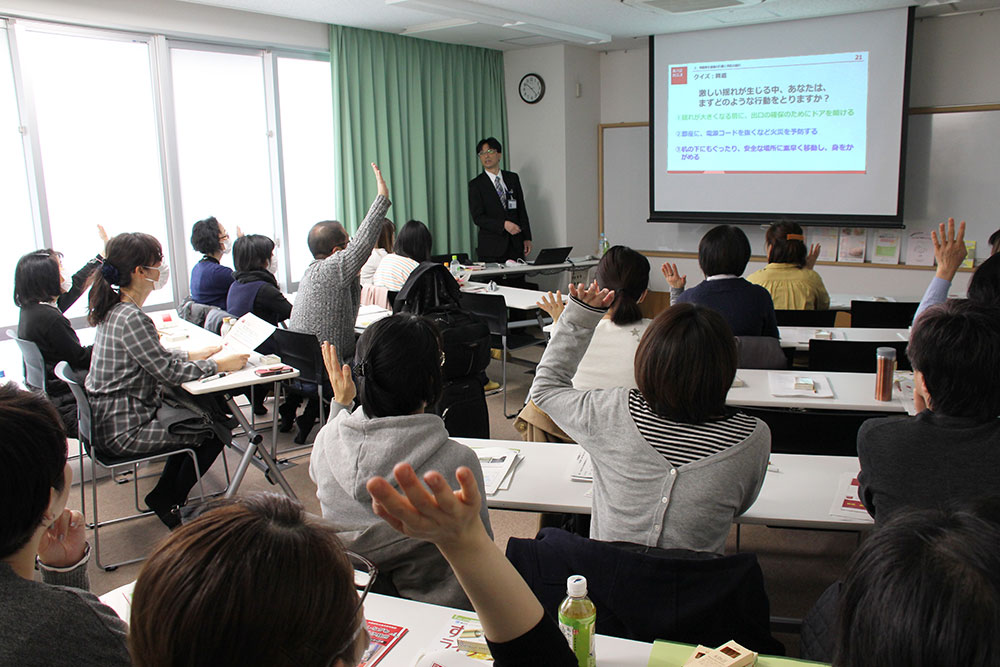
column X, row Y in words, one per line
column 552, row 256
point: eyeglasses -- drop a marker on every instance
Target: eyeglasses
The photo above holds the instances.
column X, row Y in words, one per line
column 488, row 151
column 365, row 573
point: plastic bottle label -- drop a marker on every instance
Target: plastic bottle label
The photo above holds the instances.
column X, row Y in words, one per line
column 579, row 632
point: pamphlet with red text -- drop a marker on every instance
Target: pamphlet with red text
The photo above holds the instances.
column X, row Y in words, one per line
column 383, row 637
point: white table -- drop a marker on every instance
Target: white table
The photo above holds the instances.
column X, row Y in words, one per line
column 514, row 297
column 799, row 337
column 843, row 301
column 574, row 265
column 798, row 489
column 851, row 391
column 424, row 623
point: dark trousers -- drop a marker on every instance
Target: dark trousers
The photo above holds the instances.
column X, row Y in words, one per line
column 178, row 474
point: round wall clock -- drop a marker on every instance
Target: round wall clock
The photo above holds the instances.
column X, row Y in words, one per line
column 531, row 88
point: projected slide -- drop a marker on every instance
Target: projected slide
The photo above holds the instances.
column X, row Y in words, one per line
column 801, row 114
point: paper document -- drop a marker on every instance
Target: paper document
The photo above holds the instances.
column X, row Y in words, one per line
column 461, row 625
column 783, row 384
column 381, row 638
column 370, row 314
column 497, row 463
column 847, row 503
column 248, row 332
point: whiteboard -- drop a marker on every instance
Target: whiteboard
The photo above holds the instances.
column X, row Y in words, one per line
column 952, row 169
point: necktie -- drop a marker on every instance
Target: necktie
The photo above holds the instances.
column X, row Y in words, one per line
column 501, row 192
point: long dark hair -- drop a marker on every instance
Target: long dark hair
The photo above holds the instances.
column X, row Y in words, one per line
column 123, row 254
column 627, row 273
column 414, row 241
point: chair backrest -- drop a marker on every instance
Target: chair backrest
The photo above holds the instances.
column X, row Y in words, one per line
column 806, row 318
column 302, row 351
column 34, row 364
column 641, row 594
column 852, row 356
column 883, row 314
column 760, row 352
column 75, row 379
column 490, row 307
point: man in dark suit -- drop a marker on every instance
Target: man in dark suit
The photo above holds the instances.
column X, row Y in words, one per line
column 496, row 202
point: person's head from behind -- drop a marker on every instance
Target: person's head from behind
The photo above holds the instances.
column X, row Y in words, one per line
column 984, row 286
column 386, row 236
column 34, row 479
column 785, row 243
column 254, row 582
column 955, row 352
column 252, row 252
column 398, row 365
column 627, row 273
column 209, row 237
column 685, row 363
column 326, row 238
column 129, row 258
column 924, row 590
column 38, row 277
column 414, row 241
column 995, row 242
column 724, row 250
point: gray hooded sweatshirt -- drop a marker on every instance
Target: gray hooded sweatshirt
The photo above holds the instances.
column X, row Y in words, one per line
column 351, row 449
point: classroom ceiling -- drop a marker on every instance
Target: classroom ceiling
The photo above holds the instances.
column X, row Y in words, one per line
column 598, row 24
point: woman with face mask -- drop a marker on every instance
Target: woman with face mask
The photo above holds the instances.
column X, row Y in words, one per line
column 210, row 280
column 129, row 368
column 255, row 289
column 43, row 294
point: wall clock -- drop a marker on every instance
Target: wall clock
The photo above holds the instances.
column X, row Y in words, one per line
column 531, row 88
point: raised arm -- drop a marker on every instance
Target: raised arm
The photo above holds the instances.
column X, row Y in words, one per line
column 348, row 262
column 949, row 251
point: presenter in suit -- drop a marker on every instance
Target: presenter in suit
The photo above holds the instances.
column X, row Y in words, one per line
column 496, row 202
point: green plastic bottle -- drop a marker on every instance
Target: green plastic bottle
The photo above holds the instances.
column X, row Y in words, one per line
column 577, row 618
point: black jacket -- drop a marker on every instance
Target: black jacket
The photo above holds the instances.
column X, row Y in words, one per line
column 269, row 304
column 489, row 214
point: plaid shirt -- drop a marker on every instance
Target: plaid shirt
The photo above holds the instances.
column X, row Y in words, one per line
column 127, row 369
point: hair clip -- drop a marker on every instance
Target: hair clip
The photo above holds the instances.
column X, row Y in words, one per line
column 794, row 237
column 110, row 273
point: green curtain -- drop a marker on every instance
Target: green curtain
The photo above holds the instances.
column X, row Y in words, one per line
column 417, row 109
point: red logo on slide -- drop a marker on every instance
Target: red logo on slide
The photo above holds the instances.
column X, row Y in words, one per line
column 678, row 75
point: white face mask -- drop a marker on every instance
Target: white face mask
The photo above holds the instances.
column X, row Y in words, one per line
column 272, row 266
column 227, row 247
column 164, row 270
column 66, row 284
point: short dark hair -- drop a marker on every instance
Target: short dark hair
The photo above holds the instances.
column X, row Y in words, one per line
column 255, row 581
column 627, row 273
column 324, row 237
column 984, row 286
column 33, row 449
column 783, row 249
column 956, row 346
column 924, row 590
column 724, row 250
column 491, row 142
column 685, row 363
column 995, row 242
column 205, row 236
column 123, row 253
column 414, row 241
column 252, row 252
column 398, row 364
column 386, row 235
column 36, row 277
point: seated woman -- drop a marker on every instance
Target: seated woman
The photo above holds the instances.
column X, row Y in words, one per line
column 262, row 582
column 413, row 245
column 37, row 528
column 43, row 295
column 789, row 275
column 398, row 364
column 210, row 280
column 672, row 464
column 610, row 356
column 723, row 254
column 255, row 289
column 949, row 253
column 383, row 246
column 129, row 368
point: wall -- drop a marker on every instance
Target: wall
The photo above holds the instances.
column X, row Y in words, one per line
column 953, row 64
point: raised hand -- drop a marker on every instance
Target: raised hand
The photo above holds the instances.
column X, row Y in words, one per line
column 344, row 390
column 103, row 235
column 593, row 296
column 65, row 541
column 812, row 256
column 553, row 305
column 949, row 248
column 383, row 189
column 673, row 276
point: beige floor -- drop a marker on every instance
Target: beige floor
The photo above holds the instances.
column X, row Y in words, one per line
column 798, row 564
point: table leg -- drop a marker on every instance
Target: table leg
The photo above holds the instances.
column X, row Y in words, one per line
column 254, row 440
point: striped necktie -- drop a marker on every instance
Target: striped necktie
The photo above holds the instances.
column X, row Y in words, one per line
column 501, row 192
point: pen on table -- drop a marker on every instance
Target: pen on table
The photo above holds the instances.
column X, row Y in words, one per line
column 215, row 377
